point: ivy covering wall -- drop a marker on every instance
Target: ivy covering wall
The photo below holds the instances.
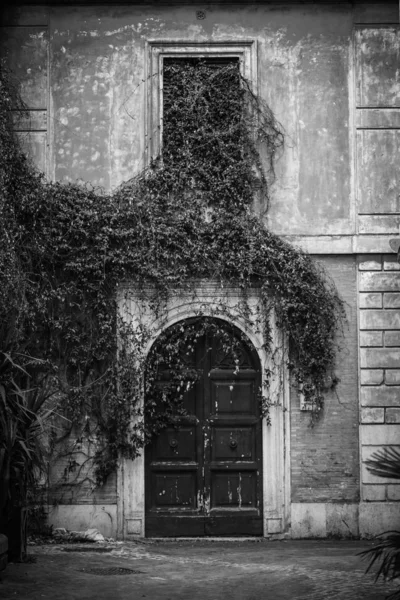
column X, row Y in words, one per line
column 68, row 362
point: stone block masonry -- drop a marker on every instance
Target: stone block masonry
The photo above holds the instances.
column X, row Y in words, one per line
column 379, row 339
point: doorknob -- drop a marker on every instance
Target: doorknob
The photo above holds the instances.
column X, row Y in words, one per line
column 173, row 443
column 233, row 444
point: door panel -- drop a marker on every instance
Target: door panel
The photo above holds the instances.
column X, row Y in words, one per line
column 233, row 489
column 175, row 490
column 231, row 396
column 203, row 477
column 174, row 445
column 232, row 444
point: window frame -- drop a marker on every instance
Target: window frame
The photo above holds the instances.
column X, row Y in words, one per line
column 157, row 50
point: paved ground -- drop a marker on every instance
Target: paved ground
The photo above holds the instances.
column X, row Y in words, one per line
column 194, row 570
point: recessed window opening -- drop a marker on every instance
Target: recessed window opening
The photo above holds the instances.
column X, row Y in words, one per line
column 194, row 91
column 163, row 53
column 173, row 86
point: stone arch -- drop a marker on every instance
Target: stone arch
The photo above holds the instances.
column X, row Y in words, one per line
column 186, row 312
column 205, row 301
column 250, row 337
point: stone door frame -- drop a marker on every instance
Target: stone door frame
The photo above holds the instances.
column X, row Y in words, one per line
column 204, row 301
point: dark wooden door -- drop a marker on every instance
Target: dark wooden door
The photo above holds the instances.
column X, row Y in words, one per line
column 204, row 477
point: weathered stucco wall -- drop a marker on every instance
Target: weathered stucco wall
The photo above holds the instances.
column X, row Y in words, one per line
column 26, row 47
column 304, row 64
column 329, row 73
column 377, row 54
column 98, row 64
column 97, row 96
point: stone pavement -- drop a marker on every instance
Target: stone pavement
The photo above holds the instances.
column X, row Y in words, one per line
column 194, row 570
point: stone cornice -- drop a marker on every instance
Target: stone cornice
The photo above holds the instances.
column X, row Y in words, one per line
column 342, row 244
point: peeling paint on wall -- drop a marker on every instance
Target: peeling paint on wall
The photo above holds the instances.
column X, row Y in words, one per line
column 378, row 66
column 378, row 138
column 99, row 66
column 25, row 49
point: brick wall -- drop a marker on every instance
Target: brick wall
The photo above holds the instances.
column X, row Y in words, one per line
column 325, row 458
column 71, row 477
column 379, row 301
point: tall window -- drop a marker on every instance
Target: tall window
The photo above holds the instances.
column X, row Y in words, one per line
column 163, row 55
column 196, row 87
column 203, row 126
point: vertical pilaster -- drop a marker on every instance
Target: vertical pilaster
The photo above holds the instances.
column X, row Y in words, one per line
column 379, row 301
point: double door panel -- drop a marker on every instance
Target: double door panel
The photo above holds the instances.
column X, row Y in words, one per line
column 204, row 476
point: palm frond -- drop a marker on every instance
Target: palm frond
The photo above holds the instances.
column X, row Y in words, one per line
column 387, row 553
column 385, row 463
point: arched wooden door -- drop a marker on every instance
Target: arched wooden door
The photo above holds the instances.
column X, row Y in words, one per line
column 204, row 478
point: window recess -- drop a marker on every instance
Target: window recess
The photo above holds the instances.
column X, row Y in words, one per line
column 163, row 54
column 206, row 112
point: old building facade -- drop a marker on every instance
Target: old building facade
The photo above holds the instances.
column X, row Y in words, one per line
column 90, row 76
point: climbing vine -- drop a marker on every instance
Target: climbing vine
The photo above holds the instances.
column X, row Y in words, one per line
column 69, row 256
